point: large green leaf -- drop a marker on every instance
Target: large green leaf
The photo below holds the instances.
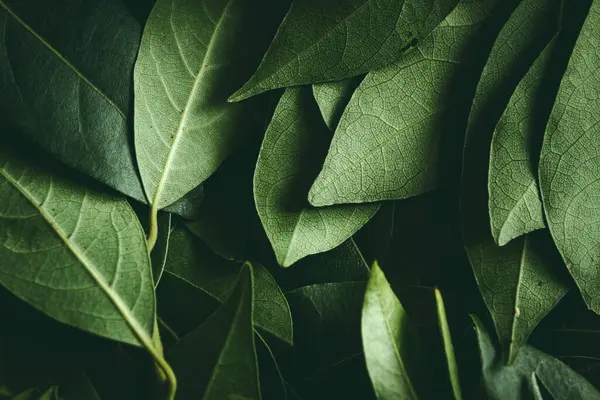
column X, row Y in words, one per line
column 219, row 357
column 517, row 281
column 77, row 255
column 516, row 381
column 65, row 80
column 388, row 340
column 193, row 54
column 326, row 41
column 291, row 154
column 333, row 97
column 569, row 168
column 515, row 205
column 386, row 144
column 195, row 263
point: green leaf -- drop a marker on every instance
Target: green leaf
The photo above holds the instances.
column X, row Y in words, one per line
column 189, row 205
column 78, row 388
column 159, row 254
column 87, row 265
column 448, row 346
column 30, row 394
column 386, row 144
column 65, row 79
column 333, row 97
column 219, row 357
column 515, row 205
column 514, row 381
column 388, row 336
column 291, row 154
column 327, row 41
column 272, row 382
column 199, row 266
column 568, row 167
column 192, row 56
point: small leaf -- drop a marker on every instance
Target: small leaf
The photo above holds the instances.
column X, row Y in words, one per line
column 387, row 337
column 192, row 55
column 386, row 144
column 327, row 41
column 219, row 357
column 448, row 346
column 569, row 168
column 289, row 159
column 333, row 97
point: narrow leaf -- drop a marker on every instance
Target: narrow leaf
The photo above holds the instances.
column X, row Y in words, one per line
column 327, row 41
column 65, row 82
column 161, row 249
column 386, row 144
column 568, row 167
column 448, row 346
column 387, row 336
column 333, row 97
column 219, row 357
column 291, row 154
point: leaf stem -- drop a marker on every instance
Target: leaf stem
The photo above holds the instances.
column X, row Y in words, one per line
column 153, row 227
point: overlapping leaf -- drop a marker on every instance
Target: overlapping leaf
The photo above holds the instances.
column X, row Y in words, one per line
column 333, row 97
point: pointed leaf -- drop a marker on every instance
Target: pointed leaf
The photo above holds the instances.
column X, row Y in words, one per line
column 515, row 205
column 291, row 154
column 387, row 336
column 333, row 97
column 161, row 249
column 219, row 357
column 65, row 79
column 386, row 144
column 327, row 41
column 568, row 167
column 192, row 55
column 448, row 346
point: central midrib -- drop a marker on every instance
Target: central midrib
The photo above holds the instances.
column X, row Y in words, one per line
column 188, row 106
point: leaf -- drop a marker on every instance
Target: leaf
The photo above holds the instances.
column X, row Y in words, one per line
column 515, row 205
column 78, row 388
column 219, row 357
column 272, row 382
column 192, row 56
column 448, row 346
column 65, row 76
column 29, row 394
column 333, row 97
column 387, row 338
column 82, row 255
column 513, row 381
column 289, row 159
column 203, row 269
column 158, row 256
column 327, row 41
column 189, row 205
column 568, row 168
column 386, row 144
column 517, row 281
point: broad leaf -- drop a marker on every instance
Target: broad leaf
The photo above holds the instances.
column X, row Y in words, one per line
column 515, row 381
column 388, row 340
column 81, row 255
column 65, row 81
column 509, row 277
column 327, row 41
column 189, row 205
column 448, row 346
column 569, row 168
column 219, row 357
column 386, row 144
column 196, row 264
column 290, row 157
column 515, row 205
column 193, row 54
column 333, row 97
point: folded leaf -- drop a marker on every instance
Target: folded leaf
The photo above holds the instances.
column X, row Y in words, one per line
column 192, row 55
column 327, row 41
column 333, row 97
column 515, row 205
column 77, row 255
column 158, row 257
column 515, row 381
column 291, row 154
column 569, row 167
column 386, row 144
column 219, row 357
column 65, row 79
column 388, row 336
column 199, row 266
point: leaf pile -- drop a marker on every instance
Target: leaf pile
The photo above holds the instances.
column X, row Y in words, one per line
column 299, row 199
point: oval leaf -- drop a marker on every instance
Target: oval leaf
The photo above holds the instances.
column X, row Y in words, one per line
column 333, row 97
column 290, row 157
